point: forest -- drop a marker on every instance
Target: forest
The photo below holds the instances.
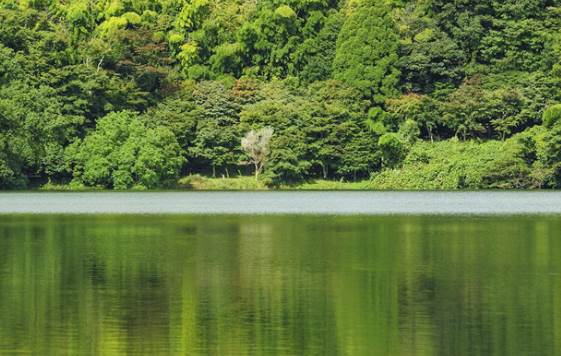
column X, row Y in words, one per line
column 404, row 94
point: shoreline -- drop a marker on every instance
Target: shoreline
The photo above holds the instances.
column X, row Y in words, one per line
column 248, row 184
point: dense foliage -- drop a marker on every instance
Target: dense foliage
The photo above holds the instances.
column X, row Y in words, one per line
column 132, row 93
column 122, row 153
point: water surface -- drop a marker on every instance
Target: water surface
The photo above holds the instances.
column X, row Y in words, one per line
column 371, row 203
column 285, row 285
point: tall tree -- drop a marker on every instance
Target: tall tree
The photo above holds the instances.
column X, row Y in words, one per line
column 366, row 55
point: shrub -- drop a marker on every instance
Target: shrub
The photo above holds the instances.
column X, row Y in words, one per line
column 123, row 153
column 451, row 165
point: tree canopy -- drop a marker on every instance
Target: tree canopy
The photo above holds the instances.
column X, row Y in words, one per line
column 134, row 93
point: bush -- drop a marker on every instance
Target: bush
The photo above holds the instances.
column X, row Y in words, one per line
column 451, row 165
column 122, row 153
column 552, row 115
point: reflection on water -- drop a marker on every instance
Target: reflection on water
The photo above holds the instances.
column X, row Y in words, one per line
column 280, row 285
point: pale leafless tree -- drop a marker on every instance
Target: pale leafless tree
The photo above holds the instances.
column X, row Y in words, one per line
column 256, row 144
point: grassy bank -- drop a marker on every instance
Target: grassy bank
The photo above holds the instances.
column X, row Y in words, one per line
column 197, row 182
column 242, row 183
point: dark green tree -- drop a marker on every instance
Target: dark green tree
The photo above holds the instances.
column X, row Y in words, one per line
column 367, row 46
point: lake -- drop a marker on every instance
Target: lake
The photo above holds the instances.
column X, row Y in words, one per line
column 309, row 273
column 332, row 203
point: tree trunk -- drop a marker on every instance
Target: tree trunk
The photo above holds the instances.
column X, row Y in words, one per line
column 99, row 64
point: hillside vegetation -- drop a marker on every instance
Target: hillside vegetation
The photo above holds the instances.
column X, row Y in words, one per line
column 426, row 94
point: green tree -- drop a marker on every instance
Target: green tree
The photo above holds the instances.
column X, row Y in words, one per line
column 315, row 56
column 366, row 55
column 429, row 58
column 217, row 133
column 340, row 142
column 463, row 111
column 123, row 153
column 287, row 113
column 420, row 109
column 393, row 149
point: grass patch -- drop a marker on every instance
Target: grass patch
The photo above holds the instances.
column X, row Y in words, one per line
column 198, row 182
column 70, row 187
column 321, row 184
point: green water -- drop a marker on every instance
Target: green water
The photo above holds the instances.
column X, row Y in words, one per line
column 221, row 285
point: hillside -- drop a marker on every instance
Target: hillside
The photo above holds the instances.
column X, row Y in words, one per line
column 427, row 94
